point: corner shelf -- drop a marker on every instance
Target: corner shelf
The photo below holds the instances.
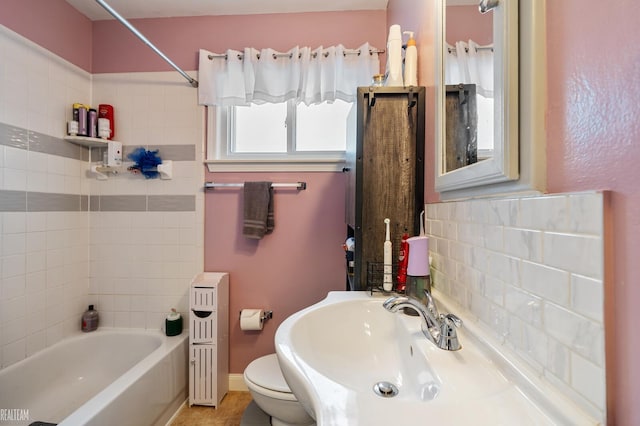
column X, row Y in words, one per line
column 87, row 141
column 101, row 172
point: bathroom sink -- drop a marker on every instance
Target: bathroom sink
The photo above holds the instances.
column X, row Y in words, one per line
column 351, row 362
column 367, row 347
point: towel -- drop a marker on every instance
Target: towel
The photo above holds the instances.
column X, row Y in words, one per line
column 258, row 210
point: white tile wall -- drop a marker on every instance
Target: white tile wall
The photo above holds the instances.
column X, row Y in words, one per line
column 141, row 267
column 43, row 255
column 530, row 269
column 141, row 263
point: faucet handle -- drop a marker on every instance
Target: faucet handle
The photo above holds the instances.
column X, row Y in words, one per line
column 453, row 319
column 448, row 338
column 431, row 305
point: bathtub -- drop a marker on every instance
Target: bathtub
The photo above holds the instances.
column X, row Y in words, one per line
column 107, row 377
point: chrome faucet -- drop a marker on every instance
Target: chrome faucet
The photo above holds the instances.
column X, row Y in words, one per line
column 438, row 328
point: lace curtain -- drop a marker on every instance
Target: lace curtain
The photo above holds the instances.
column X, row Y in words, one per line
column 265, row 76
column 470, row 63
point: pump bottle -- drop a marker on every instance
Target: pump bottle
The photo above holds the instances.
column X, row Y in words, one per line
column 411, row 62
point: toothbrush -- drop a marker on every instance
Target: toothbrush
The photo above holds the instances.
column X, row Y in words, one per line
column 387, row 281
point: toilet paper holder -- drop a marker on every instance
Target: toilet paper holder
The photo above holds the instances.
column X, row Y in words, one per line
column 266, row 315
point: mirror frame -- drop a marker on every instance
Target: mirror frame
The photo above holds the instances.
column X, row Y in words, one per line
column 503, row 166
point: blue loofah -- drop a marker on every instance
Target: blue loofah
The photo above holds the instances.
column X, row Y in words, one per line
column 146, row 162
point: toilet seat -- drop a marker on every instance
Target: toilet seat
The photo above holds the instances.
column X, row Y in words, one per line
column 265, row 372
column 271, row 393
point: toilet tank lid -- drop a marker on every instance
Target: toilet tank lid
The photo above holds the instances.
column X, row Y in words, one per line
column 265, row 372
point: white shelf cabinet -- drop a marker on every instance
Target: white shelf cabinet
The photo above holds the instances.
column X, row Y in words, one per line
column 208, row 338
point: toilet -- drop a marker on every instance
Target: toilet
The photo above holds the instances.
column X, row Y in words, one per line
column 271, row 393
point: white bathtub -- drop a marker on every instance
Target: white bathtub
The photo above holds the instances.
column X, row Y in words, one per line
column 107, row 377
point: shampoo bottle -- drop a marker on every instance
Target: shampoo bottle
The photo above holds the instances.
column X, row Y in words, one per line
column 90, row 319
column 411, row 62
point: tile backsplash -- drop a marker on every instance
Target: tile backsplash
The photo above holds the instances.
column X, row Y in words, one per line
column 530, row 269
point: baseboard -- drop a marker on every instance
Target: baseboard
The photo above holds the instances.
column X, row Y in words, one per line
column 175, row 414
column 236, row 383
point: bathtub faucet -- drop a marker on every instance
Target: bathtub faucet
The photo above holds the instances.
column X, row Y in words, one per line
column 438, row 328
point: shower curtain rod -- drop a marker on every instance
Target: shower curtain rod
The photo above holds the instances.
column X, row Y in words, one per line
column 138, row 34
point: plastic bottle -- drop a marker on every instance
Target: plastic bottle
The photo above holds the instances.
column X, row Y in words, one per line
column 90, row 319
column 394, row 57
column 411, row 62
column 92, row 123
column 82, row 120
column 106, row 111
column 403, row 261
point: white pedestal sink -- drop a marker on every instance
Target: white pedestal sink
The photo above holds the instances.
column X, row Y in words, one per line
column 334, row 353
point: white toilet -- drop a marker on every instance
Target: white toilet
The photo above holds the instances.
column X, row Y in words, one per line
column 272, row 394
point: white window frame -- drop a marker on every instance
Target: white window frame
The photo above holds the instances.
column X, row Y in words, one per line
column 221, row 158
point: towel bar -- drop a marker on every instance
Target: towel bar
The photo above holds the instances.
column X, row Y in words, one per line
column 298, row 185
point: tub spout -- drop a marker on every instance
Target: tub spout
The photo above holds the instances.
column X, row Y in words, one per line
column 440, row 329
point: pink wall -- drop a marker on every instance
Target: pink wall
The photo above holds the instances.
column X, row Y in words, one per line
column 52, row 24
column 302, row 260
column 594, row 143
column 466, row 22
column 180, row 38
column 287, row 270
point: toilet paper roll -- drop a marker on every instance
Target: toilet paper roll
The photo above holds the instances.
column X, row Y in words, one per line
column 418, row 265
column 251, row 319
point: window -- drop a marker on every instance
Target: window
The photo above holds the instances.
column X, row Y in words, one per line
column 283, row 136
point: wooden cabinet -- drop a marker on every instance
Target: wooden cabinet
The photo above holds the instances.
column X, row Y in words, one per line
column 385, row 163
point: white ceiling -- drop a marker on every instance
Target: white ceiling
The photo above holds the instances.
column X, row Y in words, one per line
column 167, row 8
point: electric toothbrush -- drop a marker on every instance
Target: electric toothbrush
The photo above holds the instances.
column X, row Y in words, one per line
column 387, row 280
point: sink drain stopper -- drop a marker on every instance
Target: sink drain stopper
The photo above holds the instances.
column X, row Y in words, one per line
column 385, row 389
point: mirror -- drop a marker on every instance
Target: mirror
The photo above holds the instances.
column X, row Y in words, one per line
column 468, row 78
column 477, row 93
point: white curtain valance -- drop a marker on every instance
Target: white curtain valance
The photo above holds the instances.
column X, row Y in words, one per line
column 470, row 63
column 266, row 76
